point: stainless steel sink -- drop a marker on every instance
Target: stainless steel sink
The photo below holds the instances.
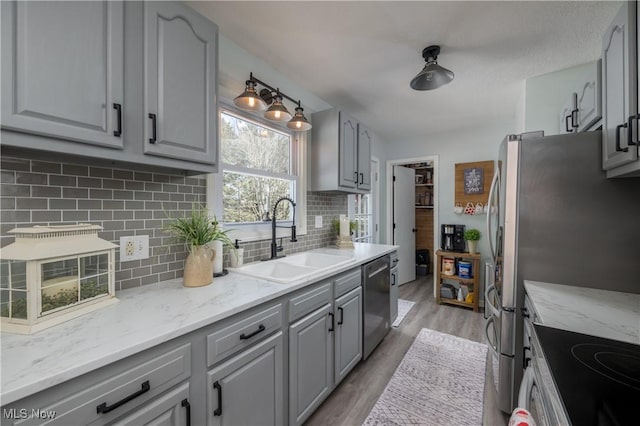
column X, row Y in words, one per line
column 294, row 267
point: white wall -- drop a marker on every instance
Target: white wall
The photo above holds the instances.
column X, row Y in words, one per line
column 545, row 95
column 459, row 146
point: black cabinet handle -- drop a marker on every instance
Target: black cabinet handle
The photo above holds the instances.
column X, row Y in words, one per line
column 332, row 323
column 185, row 404
column 341, row 320
column 525, row 359
column 104, row 408
column 574, row 121
column 356, row 174
column 153, row 128
column 394, row 279
column 566, row 124
column 525, row 312
column 618, row 147
column 118, row 109
column 260, row 329
column 630, row 130
column 218, row 411
column 361, row 178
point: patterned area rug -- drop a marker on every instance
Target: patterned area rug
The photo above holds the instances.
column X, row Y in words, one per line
column 440, row 381
column 404, row 306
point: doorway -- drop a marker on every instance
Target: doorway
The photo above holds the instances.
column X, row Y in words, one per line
column 423, row 203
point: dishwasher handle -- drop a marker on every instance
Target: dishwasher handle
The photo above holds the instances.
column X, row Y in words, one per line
column 377, row 271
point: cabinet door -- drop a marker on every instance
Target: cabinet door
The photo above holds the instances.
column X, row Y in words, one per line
column 348, row 341
column 62, row 69
column 568, row 115
column 310, row 363
column 394, row 295
column 590, row 99
column 348, row 173
column 170, row 409
column 248, row 389
column 619, row 79
column 180, row 83
column 364, row 158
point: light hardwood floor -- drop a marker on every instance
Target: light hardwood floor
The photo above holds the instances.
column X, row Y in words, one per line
column 351, row 402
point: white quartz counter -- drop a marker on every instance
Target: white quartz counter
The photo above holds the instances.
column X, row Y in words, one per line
column 609, row 314
column 145, row 316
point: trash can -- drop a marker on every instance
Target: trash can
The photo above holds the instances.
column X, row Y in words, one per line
column 422, row 262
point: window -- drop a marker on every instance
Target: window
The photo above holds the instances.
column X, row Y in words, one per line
column 361, row 211
column 258, row 165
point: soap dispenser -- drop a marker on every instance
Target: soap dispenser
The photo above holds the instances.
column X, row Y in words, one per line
column 237, row 255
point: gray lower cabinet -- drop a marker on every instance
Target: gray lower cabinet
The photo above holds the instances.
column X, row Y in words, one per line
column 348, row 333
column 180, row 68
column 310, row 363
column 170, row 409
column 63, row 71
column 248, row 388
column 394, row 295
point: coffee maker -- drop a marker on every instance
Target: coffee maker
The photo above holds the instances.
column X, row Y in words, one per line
column 452, row 238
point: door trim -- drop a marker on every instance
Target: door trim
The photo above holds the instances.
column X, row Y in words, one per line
column 389, row 198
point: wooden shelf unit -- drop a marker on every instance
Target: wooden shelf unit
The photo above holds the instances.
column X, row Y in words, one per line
column 472, row 283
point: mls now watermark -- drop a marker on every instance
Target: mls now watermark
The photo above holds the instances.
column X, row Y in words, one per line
column 23, row 413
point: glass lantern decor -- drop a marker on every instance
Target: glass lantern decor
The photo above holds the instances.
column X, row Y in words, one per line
column 51, row 274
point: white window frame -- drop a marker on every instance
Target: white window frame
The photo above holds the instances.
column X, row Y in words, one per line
column 262, row 231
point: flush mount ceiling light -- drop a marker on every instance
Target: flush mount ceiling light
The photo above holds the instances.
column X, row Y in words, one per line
column 272, row 99
column 432, row 75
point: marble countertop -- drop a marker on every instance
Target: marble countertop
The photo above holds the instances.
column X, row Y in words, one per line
column 609, row 314
column 144, row 317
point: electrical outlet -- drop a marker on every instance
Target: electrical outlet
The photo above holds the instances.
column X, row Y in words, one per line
column 134, row 248
column 318, row 221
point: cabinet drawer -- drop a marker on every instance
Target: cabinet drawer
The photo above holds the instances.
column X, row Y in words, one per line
column 101, row 397
column 309, row 301
column 242, row 333
column 347, row 282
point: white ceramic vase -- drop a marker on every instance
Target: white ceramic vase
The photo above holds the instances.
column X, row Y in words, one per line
column 473, row 246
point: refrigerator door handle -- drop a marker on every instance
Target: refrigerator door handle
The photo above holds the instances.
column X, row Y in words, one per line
column 490, row 214
column 492, row 345
column 494, row 310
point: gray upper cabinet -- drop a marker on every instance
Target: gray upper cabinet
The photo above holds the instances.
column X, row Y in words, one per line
column 348, row 337
column 248, row 389
column 310, row 363
column 364, row 158
column 62, row 70
column 180, row 83
column 590, row 99
column 341, row 152
column 619, row 92
column 348, row 174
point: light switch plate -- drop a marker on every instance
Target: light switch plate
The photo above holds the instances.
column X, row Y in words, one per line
column 318, row 221
column 134, row 248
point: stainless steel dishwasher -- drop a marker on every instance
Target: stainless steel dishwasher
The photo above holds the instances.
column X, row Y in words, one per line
column 376, row 287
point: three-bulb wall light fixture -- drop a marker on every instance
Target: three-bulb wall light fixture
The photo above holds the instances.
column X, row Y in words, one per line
column 270, row 99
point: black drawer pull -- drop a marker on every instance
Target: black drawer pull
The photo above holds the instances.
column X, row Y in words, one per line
column 394, row 279
column 218, row 411
column 341, row 320
column 618, row 147
column 525, row 312
column 566, row 124
column 153, row 128
column 185, row 404
column 260, row 329
column 332, row 323
column 104, row 408
column 118, row 132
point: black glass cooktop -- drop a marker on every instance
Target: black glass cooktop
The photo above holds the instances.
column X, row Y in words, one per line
column 598, row 379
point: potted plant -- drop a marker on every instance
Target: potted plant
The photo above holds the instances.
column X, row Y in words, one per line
column 198, row 230
column 472, row 236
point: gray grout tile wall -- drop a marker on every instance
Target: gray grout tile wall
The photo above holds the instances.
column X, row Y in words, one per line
column 128, row 202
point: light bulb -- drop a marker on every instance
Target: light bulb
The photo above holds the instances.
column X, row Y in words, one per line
column 252, row 102
column 277, row 114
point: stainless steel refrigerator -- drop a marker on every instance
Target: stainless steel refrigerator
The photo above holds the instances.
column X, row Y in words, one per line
column 554, row 217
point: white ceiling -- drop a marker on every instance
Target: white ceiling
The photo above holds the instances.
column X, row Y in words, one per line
column 361, row 55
